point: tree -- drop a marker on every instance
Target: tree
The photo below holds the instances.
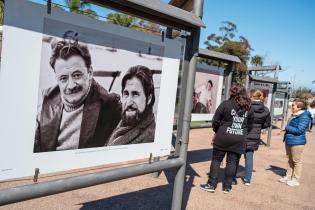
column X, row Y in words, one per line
column 302, row 93
column 134, row 23
column 257, row 60
column 80, row 7
column 1, row 11
column 229, row 43
column 121, row 19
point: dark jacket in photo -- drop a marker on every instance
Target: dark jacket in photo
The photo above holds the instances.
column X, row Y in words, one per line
column 296, row 129
column 143, row 132
column 101, row 114
column 231, row 125
column 262, row 120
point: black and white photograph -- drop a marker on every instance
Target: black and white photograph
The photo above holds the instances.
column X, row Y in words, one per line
column 86, row 99
column 278, row 107
column 88, row 93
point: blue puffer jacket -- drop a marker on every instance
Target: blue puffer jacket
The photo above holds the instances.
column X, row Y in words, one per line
column 296, row 128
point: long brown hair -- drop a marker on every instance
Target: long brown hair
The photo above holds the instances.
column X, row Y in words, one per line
column 257, row 94
column 238, row 93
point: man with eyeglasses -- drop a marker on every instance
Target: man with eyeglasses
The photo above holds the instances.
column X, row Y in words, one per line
column 77, row 112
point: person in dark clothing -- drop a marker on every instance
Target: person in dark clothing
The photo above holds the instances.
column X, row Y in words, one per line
column 231, row 123
column 262, row 120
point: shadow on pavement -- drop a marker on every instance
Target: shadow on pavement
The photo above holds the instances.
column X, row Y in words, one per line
column 277, row 170
column 156, row 197
column 151, row 198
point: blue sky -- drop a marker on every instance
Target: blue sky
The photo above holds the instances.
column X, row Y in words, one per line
column 279, row 30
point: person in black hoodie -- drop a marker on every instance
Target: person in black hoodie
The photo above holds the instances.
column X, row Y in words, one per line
column 262, row 120
column 231, row 123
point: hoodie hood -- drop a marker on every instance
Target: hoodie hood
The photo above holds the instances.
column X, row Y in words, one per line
column 258, row 107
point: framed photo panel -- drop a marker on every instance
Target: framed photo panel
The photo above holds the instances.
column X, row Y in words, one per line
column 207, row 92
column 78, row 92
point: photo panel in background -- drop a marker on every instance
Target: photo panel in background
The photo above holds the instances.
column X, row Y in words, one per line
column 266, row 88
column 207, row 91
column 278, row 109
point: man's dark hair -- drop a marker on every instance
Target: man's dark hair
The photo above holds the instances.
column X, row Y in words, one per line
column 210, row 82
column 145, row 76
column 66, row 49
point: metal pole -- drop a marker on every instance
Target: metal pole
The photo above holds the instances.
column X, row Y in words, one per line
column 49, row 7
column 181, row 110
column 27, row 192
column 247, row 81
column 271, row 113
column 228, row 80
column 192, row 58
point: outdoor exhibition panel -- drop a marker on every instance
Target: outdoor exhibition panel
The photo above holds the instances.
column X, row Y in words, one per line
column 29, row 35
column 279, row 104
column 207, row 91
column 266, row 88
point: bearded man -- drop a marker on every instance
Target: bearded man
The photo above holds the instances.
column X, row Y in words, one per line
column 138, row 123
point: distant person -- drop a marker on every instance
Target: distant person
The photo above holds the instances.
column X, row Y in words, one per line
column 262, row 120
column 77, row 112
column 204, row 95
column 312, row 111
column 295, row 140
column 138, row 123
column 231, row 123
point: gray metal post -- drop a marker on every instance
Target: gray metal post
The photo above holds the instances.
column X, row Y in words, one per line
column 247, row 81
column 192, row 58
column 284, row 110
column 272, row 105
column 228, row 80
column 271, row 113
column 183, row 90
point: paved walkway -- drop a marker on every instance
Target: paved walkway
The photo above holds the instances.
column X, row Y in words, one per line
column 145, row 192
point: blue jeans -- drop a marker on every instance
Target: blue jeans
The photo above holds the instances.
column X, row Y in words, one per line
column 249, row 162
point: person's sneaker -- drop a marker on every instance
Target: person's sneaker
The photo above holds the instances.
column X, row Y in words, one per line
column 246, row 182
column 293, row 183
column 284, row 179
column 234, row 181
column 226, row 190
column 207, row 187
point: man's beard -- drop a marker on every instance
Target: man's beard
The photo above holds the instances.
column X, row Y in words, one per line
column 132, row 120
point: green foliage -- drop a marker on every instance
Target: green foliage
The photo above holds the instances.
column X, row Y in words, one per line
column 1, row 11
column 121, row 19
column 257, row 60
column 302, row 93
column 228, row 42
column 133, row 22
column 80, row 7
